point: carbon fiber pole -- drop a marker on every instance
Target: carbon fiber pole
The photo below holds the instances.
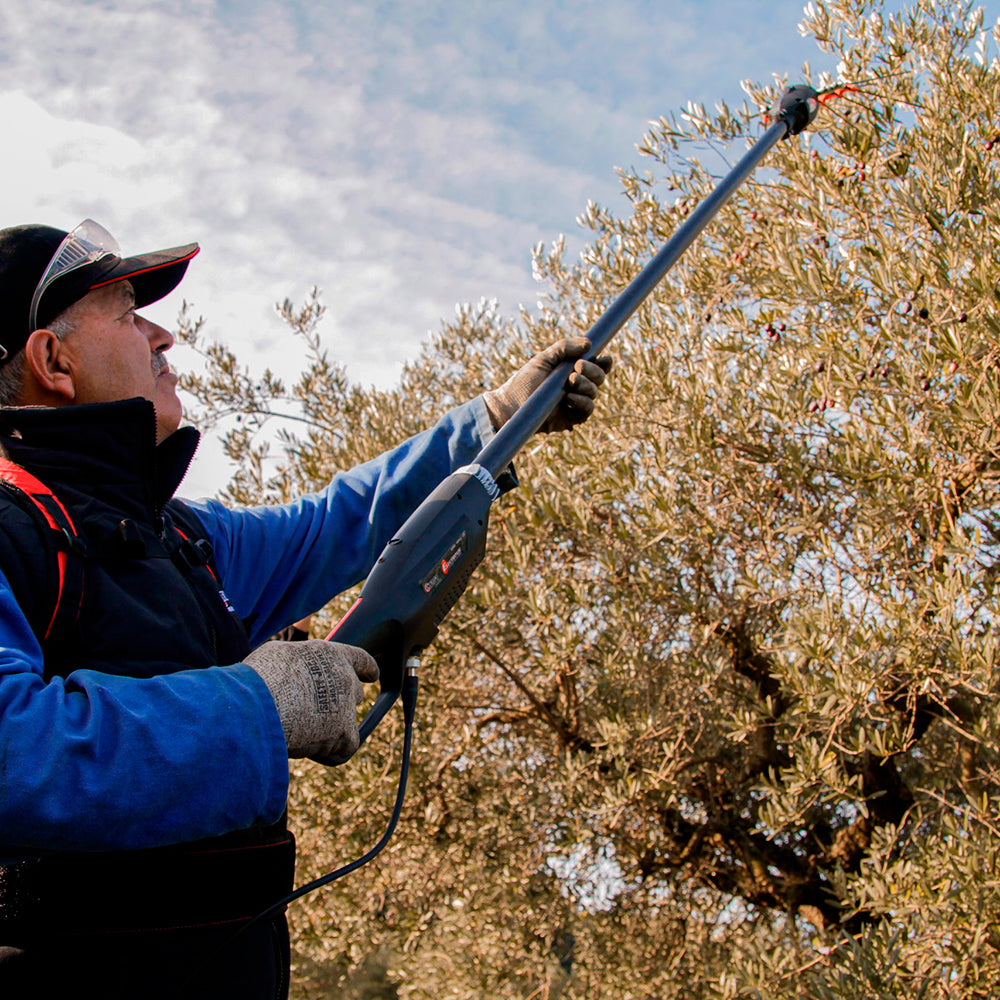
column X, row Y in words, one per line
column 795, row 111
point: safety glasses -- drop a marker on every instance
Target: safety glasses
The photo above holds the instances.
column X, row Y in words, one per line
column 87, row 244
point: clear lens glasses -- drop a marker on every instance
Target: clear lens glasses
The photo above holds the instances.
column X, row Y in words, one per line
column 87, row 244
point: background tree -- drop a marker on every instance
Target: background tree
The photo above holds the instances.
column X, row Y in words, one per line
column 718, row 717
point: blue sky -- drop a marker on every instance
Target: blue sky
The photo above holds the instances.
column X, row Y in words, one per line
column 402, row 156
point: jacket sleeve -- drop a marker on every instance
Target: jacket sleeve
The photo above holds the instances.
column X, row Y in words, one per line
column 279, row 564
column 101, row 762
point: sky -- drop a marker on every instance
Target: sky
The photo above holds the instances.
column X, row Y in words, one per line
column 402, row 156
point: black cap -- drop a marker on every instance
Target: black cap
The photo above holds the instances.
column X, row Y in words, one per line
column 25, row 252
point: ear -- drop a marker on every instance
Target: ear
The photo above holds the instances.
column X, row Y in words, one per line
column 46, row 369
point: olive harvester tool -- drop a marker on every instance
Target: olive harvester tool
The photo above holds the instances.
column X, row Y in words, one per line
column 427, row 564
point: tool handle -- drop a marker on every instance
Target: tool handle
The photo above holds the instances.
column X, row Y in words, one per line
column 421, row 573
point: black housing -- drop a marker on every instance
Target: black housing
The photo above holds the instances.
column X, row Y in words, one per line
column 419, row 576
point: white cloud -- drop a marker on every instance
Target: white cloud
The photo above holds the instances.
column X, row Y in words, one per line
column 401, row 155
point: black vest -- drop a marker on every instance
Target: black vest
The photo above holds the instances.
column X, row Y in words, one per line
column 151, row 605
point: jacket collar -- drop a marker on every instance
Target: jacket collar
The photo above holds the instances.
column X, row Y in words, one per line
column 105, row 450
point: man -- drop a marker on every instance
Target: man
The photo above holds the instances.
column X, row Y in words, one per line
column 143, row 739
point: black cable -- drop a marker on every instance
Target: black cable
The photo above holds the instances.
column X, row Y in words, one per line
column 409, row 699
column 408, row 696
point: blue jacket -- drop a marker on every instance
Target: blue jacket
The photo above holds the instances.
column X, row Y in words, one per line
column 96, row 761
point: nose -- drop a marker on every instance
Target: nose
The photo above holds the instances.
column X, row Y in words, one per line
column 160, row 339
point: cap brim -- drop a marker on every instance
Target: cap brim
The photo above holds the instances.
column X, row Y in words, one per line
column 152, row 275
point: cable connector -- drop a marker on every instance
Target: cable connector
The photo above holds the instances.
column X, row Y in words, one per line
column 409, row 692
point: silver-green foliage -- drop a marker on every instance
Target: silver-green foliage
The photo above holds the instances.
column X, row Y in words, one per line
column 718, row 717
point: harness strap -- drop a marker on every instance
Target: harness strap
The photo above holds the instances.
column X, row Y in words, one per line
column 69, row 592
column 191, row 555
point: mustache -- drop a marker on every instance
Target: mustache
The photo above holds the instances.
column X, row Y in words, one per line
column 159, row 363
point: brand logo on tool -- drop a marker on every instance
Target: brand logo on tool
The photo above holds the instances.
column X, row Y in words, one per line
column 455, row 551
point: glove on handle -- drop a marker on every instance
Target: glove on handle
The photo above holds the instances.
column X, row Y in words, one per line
column 316, row 687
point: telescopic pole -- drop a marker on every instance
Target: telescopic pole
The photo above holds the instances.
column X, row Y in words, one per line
column 795, row 109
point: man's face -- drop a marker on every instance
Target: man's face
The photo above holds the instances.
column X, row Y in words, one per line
column 117, row 354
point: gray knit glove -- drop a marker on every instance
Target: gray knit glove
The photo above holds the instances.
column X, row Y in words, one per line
column 581, row 386
column 316, row 686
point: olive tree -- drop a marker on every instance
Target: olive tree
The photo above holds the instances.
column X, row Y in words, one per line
column 718, row 715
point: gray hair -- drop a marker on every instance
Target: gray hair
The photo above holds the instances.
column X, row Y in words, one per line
column 12, row 373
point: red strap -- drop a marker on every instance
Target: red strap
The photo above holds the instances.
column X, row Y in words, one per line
column 32, row 488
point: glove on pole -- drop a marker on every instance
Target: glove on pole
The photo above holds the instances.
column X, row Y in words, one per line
column 316, row 687
column 580, row 387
